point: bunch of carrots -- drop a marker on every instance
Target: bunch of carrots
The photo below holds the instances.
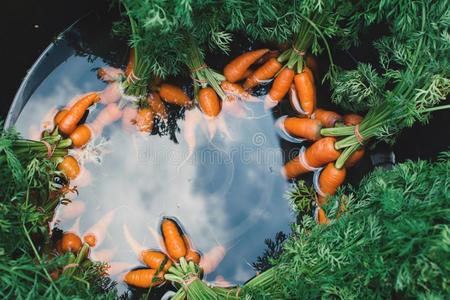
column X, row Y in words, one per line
column 292, row 73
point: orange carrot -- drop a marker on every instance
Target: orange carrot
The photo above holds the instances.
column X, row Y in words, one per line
column 173, row 95
column 157, row 106
column 70, row 242
column 265, row 72
column 354, row 158
column 234, row 91
column 90, row 239
column 70, row 121
column 144, row 119
column 326, row 117
column 309, row 73
column 130, row 65
column 247, row 73
column 156, row 260
column 173, row 239
column 144, row 278
column 352, row 119
column 209, row 102
column 107, row 116
column 81, row 135
column 306, row 91
column 318, row 154
column 211, row 260
column 329, row 180
column 191, row 254
column 69, row 166
column 59, row 116
column 322, row 217
column 237, row 67
column 304, row 128
column 100, row 228
column 281, row 84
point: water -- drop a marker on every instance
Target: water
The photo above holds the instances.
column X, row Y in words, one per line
column 226, row 191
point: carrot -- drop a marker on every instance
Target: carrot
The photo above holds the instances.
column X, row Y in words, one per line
column 144, row 119
column 130, row 64
column 107, row 116
column 70, row 121
column 112, row 93
column 59, row 116
column 70, row 242
column 81, row 135
column 211, row 260
column 173, row 95
column 237, row 67
column 191, row 254
column 247, row 73
column 144, row 278
column 322, row 217
column 100, row 228
column 329, row 180
column 173, row 239
column 71, row 210
column 309, row 73
column 318, row 154
column 209, row 102
column 69, row 166
column 129, row 117
column 234, row 91
column 281, row 84
column 304, row 128
column 352, row 119
column 306, row 91
column 157, row 106
column 90, row 239
column 265, row 72
column 354, row 158
column 156, row 260
column 326, row 117
column 109, row 74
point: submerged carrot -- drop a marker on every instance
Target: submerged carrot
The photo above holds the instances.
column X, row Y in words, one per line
column 209, row 102
column 352, row 119
column 322, row 217
column 144, row 119
column 70, row 121
column 107, row 116
column 265, row 72
column 144, row 278
column 156, row 260
column 281, row 84
column 81, row 135
column 247, row 73
column 70, row 242
column 59, row 116
column 191, row 255
column 173, row 95
column 304, row 128
column 326, row 117
column 318, row 154
column 157, row 106
column 354, row 158
column 69, row 166
column 173, row 239
column 235, row 90
column 211, row 260
column 237, row 67
column 306, row 91
column 329, row 180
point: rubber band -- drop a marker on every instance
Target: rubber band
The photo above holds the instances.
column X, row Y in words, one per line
column 358, row 135
column 299, row 52
column 132, row 77
column 198, row 80
column 204, row 66
column 70, row 266
column 50, row 149
column 301, row 158
column 188, row 281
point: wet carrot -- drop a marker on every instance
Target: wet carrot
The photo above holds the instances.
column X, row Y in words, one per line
column 144, row 278
column 234, row 91
column 90, row 239
column 173, row 95
column 156, row 260
column 211, row 260
column 352, row 119
column 191, row 255
column 70, row 121
column 265, row 72
column 109, row 74
column 237, row 67
column 329, row 180
column 129, row 117
column 107, row 116
column 173, row 239
column 157, row 106
column 316, row 155
column 209, row 102
column 304, row 128
column 306, row 91
column 281, row 84
column 326, row 117
column 322, row 217
column 71, row 210
column 309, row 73
column 354, row 158
column 130, row 64
column 144, row 120
column 59, row 116
column 70, row 242
column 247, row 73
column 81, row 135
column 69, row 166
column 100, row 228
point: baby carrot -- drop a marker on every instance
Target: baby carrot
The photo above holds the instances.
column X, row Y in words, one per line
column 173, row 95
column 326, row 117
column 237, row 67
column 81, row 135
column 69, row 166
column 209, row 102
column 304, row 128
column 329, row 180
column 144, row 278
column 306, row 91
column 281, row 85
column 173, row 239
column 156, row 260
column 70, row 121
column 265, row 72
